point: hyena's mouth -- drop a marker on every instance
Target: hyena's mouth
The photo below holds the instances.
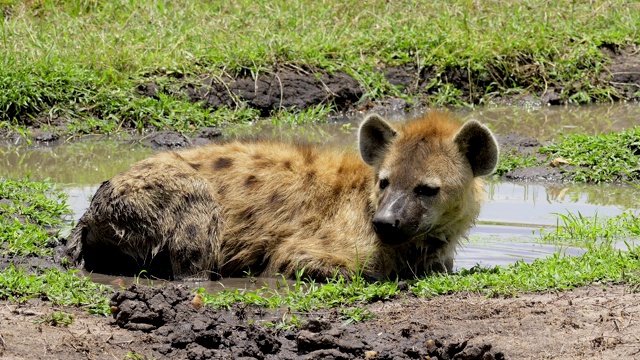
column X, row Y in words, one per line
column 390, row 234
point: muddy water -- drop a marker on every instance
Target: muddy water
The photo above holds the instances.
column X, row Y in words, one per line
column 508, row 227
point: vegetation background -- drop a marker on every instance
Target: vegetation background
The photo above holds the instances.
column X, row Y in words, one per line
column 80, row 64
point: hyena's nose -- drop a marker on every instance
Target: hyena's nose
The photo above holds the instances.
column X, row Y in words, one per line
column 388, row 230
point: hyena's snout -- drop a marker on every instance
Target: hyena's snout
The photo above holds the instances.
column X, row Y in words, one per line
column 392, row 221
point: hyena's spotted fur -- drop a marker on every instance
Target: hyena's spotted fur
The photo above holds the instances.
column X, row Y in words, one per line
column 273, row 208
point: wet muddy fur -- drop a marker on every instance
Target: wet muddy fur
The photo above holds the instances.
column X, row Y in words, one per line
column 275, row 208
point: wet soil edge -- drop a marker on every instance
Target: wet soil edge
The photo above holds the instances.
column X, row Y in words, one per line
column 288, row 86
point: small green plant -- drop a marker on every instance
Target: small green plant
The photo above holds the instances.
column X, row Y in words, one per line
column 57, row 318
column 314, row 114
column 137, row 356
column 513, row 160
column 576, row 229
column 288, row 321
column 355, row 314
column 28, row 212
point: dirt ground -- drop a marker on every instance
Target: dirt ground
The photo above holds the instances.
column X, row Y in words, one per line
column 596, row 322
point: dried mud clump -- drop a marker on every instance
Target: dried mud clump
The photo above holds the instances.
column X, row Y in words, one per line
column 180, row 329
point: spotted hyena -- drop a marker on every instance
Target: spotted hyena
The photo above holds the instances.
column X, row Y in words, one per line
column 274, row 208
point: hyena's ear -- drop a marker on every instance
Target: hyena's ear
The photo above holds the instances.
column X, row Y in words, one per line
column 373, row 139
column 480, row 147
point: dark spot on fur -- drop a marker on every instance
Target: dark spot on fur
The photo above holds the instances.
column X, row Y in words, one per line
column 276, row 198
column 358, row 185
column 248, row 213
column 177, row 156
column 368, row 209
column 195, row 256
column 222, row 163
column 257, row 156
column 192, row 231
column 195, row 166
column 222, row 189
column 190, row 198
column 325, row 240
column 340, row 170
column 308, row 155
column 186, row 257
column 251, row 181
column 310, row 176
column 148, row 187
column 283, row 267
column 182, row 175
column 287, row 165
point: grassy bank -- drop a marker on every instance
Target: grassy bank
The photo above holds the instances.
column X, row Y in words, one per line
column 30, row 215
column 585, row 158
column 79, row 63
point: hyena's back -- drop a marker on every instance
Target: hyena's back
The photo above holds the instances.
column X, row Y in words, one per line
column 263, row 207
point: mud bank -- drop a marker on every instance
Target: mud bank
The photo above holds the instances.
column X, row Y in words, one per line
column 591, row 322
column 182, row 330
column 289, row 87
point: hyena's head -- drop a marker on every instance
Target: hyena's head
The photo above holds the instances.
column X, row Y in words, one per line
column 425, row 174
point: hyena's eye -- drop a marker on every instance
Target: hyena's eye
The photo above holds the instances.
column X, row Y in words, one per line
column 426, row 190
column 383, row 183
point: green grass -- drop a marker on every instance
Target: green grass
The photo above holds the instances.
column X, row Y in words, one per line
column 512, row 160
column 600, row 158
column 56, row 318
column 30, row 215
column 59, row 287
column 600, row 264
column 576, row 229
column 612, row 157
column 303, row 295
column 81, row 61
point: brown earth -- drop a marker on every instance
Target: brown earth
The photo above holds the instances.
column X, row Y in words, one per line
column 596, row 322
column 289, row 86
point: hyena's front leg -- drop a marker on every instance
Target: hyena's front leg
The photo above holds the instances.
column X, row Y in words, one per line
column 194, row 243
column 314, row 263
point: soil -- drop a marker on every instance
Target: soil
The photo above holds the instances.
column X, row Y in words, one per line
column 287, row 86
column 591, row 322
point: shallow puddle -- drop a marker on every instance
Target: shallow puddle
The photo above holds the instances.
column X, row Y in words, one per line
column 509, row 225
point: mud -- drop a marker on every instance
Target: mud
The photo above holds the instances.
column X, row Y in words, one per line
column 294, row 87
column 180, row 328
column 585, row 323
